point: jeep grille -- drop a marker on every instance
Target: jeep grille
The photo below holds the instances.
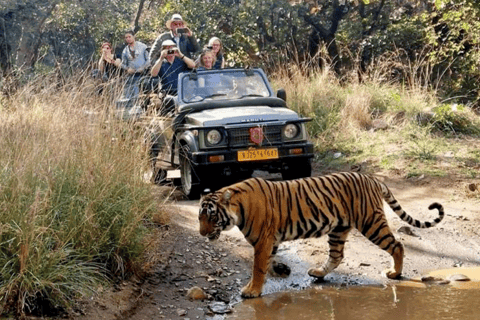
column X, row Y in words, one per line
column 241, row 136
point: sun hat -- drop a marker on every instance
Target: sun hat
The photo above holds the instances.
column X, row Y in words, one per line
column 175, row 17
column 168, row 42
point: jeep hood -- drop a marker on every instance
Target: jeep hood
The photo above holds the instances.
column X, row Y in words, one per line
column 239, row 115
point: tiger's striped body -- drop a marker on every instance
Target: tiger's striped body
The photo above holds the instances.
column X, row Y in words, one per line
column 269, row 213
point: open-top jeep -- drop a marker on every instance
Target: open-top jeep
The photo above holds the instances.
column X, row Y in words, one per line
column 223, row 125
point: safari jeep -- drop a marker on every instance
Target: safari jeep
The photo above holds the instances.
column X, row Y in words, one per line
column 225, row 124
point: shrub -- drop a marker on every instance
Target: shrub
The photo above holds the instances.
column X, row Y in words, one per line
column 454, row 119
column 72, row 197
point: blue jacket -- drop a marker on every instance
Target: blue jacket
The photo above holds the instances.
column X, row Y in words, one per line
column 169, row 74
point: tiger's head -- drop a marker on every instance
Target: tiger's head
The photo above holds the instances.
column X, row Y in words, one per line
column 213, row 216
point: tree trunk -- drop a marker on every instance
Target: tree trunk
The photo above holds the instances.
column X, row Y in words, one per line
column 136, row 26
column 31, row 33
column 326, row 35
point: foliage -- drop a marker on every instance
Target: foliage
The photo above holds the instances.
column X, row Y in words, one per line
column 83, row 25
column 352, row 34
column 452, row 35
column 342, row 125
column 249, row 29
column 454, row 119
column 72, row 197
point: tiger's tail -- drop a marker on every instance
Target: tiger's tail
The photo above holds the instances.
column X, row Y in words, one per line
column 393, row 203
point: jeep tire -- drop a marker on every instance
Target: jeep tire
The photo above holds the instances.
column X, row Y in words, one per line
column 190, row 175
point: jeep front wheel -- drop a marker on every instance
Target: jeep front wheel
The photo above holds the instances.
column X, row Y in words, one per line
column 190, row 180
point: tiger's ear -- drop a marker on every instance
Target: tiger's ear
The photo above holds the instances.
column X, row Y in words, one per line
column 227, row 195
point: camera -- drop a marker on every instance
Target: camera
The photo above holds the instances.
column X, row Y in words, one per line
column 181, row 30
column 171, row 51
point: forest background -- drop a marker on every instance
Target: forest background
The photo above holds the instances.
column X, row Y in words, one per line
column 388, row 84
column 437, row 40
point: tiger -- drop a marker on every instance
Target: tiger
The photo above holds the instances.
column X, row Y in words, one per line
column 270, row 212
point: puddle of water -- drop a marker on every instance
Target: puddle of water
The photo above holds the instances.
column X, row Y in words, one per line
column 364, row 303
column 472, row 273
column 407, row 300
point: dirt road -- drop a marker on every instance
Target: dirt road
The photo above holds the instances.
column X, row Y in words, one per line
column 183, row 259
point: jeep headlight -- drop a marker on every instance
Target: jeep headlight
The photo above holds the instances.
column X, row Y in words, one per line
column 214, row 137
column 290, row 131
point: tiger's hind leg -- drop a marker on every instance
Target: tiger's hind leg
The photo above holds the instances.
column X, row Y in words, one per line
column 380, row 234
column 277, row 268
column 336, row 241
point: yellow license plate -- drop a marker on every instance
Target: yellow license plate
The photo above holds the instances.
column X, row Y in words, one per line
column 257, row 154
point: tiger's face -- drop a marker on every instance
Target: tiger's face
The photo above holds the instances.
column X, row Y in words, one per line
column 213, row 217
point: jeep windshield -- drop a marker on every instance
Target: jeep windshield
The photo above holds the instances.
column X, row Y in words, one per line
column 223, row 85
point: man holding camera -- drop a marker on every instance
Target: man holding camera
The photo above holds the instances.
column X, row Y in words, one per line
column 180, row 34
column 169, row 65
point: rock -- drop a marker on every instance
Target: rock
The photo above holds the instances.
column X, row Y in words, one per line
column 379, row 124
column 435, row 280
column 181, row 312
column 219, row 307
column 430, row 279
column 472, row 187
column 406, row 230
column 424, row 118
column 196, row 293
column 356, row 168
column 458, row 277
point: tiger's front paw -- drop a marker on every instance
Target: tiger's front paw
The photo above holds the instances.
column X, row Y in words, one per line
column 249, row 292
column 392, row 274
column 317, row 272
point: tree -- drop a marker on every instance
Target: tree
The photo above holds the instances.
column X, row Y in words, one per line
column 59, row 31
column 453, row 37
column 22, row 24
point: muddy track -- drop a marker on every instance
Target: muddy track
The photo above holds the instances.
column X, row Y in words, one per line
column 184, row 259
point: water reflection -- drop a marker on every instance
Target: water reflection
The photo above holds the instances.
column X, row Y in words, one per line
column 364, row 303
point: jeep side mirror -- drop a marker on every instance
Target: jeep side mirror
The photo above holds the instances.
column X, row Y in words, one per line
column 282, row 94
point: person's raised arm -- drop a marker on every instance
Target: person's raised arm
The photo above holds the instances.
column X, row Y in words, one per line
column 189, row 62
column 124, row 63
column 156, row 67
column 101, row 64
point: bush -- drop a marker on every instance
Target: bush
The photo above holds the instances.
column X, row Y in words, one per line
column 454, row 119
column 72, row 197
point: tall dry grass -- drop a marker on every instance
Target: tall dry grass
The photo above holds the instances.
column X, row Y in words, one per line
column 73, row 202
column 368, row 118
column 336, row 106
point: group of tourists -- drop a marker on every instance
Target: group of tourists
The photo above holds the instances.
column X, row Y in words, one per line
column 157, row 69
